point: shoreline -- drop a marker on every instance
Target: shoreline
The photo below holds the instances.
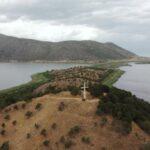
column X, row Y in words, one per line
column 62, row 61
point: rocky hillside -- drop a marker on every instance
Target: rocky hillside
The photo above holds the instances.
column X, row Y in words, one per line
column 12, row 48
column 63, row 122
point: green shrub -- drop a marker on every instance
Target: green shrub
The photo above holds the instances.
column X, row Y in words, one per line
column 7, row 117
column 23, row 106
column 68, row 144
column 29, row 114
column 46, row 143
column 37, row 126
column 145, row 125
column 3, row 132
column 74, row 130
column 44, row 132
column 126, row 107
column 103, row 121
column 38, row 106
column 54, row 126
column 16, row 107
column 28, row 136
column 3, row 125
column 61, row 106
column 86, row 140
column 14, row 122
column 62, row 139
column 5, row 146
column 97, row 90
column 74, row 90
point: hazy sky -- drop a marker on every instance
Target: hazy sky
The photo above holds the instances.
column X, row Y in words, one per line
column 125, row 22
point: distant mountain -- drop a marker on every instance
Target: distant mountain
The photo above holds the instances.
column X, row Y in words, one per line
column 12, row 48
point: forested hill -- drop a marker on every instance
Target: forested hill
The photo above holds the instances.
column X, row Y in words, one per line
column 12, row 48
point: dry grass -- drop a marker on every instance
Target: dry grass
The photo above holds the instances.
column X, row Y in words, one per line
column 76, row 112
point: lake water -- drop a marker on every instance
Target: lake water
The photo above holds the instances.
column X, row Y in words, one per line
column 136, row 79
column 12, row 74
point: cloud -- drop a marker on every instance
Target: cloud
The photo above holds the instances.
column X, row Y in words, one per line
column 49, row 31
column 125, row 22
column 10, row 3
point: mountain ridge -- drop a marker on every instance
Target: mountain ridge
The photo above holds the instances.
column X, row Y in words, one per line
column 21, row 49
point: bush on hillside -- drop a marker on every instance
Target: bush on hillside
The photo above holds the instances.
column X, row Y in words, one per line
column 62, row 139
column 125, row 107
column 46, row 143
column 38, row 106
column 3, row 125
column 61, row 106
column 68, row 144
column 54, row 126
column 5, row 146
column 74, row 90
column 28, row 136
column 37, row 126
column 86, row 139
column 74, row 130
column 16, row 107
column 29, row 114
column 3, row 132
column 97, row 90
column 7, row 117
column 44, row 132
column 14, row 122
column 23, row 106
column 103, row 121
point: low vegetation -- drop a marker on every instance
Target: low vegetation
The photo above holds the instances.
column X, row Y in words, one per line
column 68, row 143
column 112, row 77
column 74, row 90
column 37, row 126
column 7, row 117
column 5, row 146
column 3, row 125
column 103, row 121
column 3, row 132
column 14, row 122
column 28, row 136
column 38, row 106
column 43, row 132
column 29, row 114
column 54, row 126
column 126, row 107
column 61, row 106
column 46, row 143
column 74, row 131
column 86, row 139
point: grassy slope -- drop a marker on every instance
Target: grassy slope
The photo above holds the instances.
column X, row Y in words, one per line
column 112, row 64
column 112, row 77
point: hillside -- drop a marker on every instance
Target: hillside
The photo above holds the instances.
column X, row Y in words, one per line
column 62, row 122
column 12, row 48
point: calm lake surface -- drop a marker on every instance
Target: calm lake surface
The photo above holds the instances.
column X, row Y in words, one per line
column 136, row 79
column 12, row 74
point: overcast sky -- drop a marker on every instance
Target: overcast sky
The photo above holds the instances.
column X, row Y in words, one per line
column 124, row 22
